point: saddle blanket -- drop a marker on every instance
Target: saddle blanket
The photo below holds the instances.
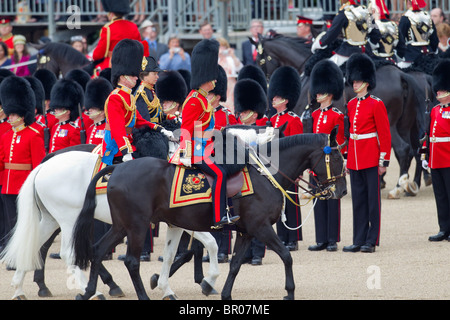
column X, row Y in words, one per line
column 190, row 186
column 102, row 183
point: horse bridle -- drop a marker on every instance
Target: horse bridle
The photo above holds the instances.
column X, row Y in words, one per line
column 265, row 58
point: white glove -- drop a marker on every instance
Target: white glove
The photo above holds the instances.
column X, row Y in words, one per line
column 267, row 136
column 316, row 44
column 169, row 135
column 127, row 157
column 186, row 161
column 425, row 164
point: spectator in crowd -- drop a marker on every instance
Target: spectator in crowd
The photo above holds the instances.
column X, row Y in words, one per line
column 20, row 55
column 443, row 33
column 149, row 33
column 232, row 65
column 206, row 30
column 437, row 15
column 4, row 58
column 248, row 49
column 176, row 58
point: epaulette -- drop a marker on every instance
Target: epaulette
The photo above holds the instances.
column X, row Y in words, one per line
column 40, row 123
column 292, row 113
column 336, row 110
column 375, row 97
column 115, row 91
column 35, row 130
column 73, row 124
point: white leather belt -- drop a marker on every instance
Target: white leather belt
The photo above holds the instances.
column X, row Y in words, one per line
column 356, row 136
column 440, row 139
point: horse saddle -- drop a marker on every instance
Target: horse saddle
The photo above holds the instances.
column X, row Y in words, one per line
column 192, row 186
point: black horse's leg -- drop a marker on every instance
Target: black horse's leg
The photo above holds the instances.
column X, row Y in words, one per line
column 39, row 275
column 267, row 235
column 132, row 260
column 111, row 238
column 197, row 247
column 114, row 289
column 243, row 241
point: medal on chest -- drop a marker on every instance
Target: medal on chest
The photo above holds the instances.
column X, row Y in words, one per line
column 446, row 115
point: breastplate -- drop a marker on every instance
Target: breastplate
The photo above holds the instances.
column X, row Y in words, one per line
column 389, row 38
column 421, row 28
column 357, row 29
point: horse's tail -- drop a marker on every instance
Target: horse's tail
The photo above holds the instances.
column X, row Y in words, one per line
column 82, row 240
column 23, row 249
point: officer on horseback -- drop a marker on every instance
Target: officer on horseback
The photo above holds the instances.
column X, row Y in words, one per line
column 120, row 106
column 353, row 20
column 196, row 143
column 420, row 35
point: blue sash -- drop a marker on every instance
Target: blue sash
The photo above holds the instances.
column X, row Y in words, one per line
column 111, row 148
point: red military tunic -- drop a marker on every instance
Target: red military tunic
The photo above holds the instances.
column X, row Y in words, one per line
column 64, row 134
column 440, row 137
column 197, row 112
column 96, row 132
column 39, row 126
column 223, row 117
column 51, row 119
column 324, row 120
column 294, row 123
column 21, row 150
column 8, row 40
column 121, row 117
column 370, row 135
column 110, row 35
column 87, row 122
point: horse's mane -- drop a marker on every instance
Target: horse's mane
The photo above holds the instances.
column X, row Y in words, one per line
column 64, row 51
column 301, row 139
column 298, row 44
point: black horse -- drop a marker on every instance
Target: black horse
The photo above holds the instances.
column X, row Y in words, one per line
column 258, row 211
column 402, row 93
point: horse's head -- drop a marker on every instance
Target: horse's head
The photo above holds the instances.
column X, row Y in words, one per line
column 328, row 165
column 264, row 59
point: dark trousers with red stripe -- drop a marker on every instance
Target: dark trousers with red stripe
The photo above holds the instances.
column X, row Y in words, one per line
column 219, row 187
column 441, row 189
column 366, row 202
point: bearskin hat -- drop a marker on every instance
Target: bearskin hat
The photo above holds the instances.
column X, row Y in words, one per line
column 39, row 93
column 186, row 74
column 116, row 6
column 17, row 96
column 67, row 94
column 204, row 61
column 126, row 59
column 249, row 95
column 327, row 77
column 285, row 83
column 360, row 67
column 221, row 84
column 6, row 73
column 171, row 87
column 78, row 75
column 97, row 91
column 48, row 80
column 253, row 72
column 441, row 81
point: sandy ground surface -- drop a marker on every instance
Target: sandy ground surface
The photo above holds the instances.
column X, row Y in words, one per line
column 405, row 266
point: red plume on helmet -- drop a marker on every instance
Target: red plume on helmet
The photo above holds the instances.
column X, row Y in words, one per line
column 382, row 8
column 418, row 4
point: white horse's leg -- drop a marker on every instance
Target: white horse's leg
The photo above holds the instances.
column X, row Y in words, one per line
column 211, row 246
column 17, row 283
column 173, row 237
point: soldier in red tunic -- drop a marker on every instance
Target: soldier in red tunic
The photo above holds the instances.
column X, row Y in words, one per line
column 116, row 30
column 120, row 106
column 22, row 148
column 66, row 96
column 6, row 34
column 97, row 91
column 439, row 149
column 327, row 84
column 198, row 123
column 369, row 151
column 284, row 91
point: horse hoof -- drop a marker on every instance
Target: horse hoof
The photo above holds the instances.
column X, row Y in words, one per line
column 395, row 193
column 45, row 293
column 412, row 188
column 21, row 297
column 428, row 181
column 98, row 297
column 207, row 289
column 288, row 298
column 116, row 293
column 170, row 297
column 154, row 281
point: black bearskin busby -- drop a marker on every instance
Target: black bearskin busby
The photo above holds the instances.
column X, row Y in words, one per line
column 67, row 94
column 360, row 67
column 39, row 93
column 17, row 96
column 48, row 80
column 78, row 75
column 6, row 73
column 171, row 87
column 327, row 77
column 441, row 81
column 249, row 95
column 97, row 91
column 105, row 73
column 221, row 84
column 285, row 82
column 204, row 62
column 186, row 74
column 253, row 72
column 126, row 59
column 116, row 6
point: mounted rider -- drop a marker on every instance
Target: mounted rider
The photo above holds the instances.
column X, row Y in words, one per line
column 419, row 32
column 120, row 106
column 353, row 20
column 196, row 144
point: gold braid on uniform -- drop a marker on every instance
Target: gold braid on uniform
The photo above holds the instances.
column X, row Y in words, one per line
column 153, row 105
